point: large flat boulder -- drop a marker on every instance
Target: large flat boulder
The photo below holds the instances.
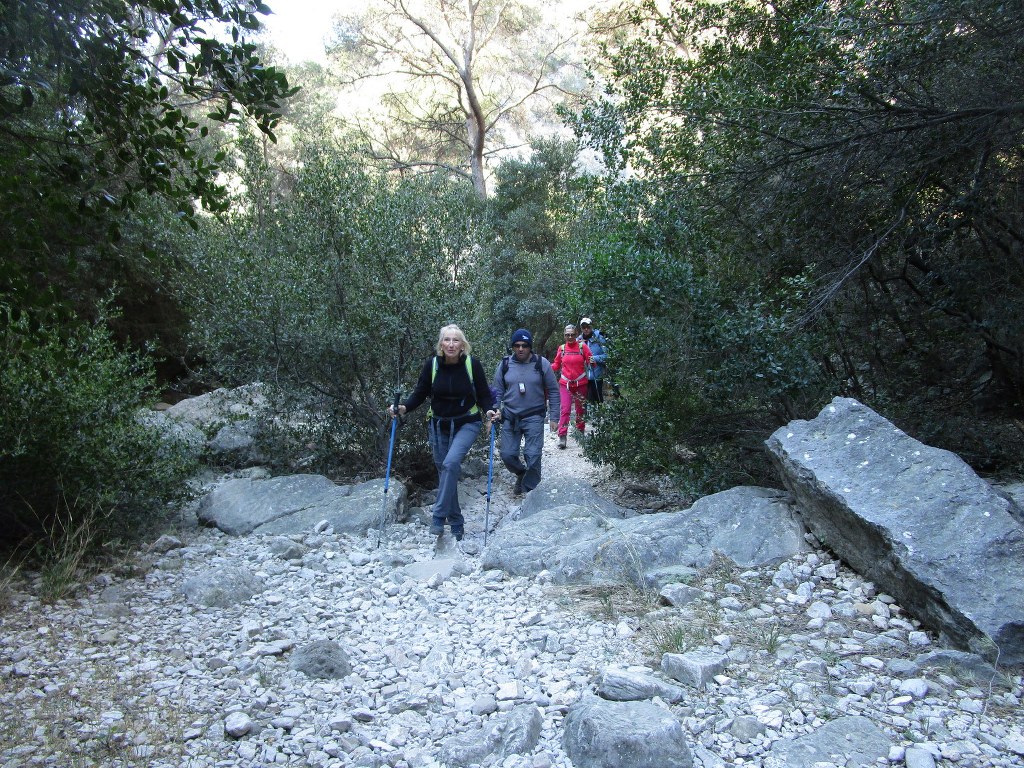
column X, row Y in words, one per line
column 297, row 503
column 850, row 741
column 222, row 587
column 579, row 540
column 516, row 732
column 234, row 423
column 558, row 492
column 914, row 519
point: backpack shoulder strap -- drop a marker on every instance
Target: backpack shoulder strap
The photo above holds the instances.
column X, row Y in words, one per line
column 469, row 369
column 535, row 358
column 433, row 375
column 504, row 369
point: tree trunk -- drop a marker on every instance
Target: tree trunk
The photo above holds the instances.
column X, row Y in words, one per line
column 475, row 134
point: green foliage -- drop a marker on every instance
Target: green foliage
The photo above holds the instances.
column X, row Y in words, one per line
column 115, row 96
column 703, row 369
column 530, row 214
column 78, row 467
column 822, row 199
column 102, row 106
column 333, row 295
column 532, row 196
column 105, row 112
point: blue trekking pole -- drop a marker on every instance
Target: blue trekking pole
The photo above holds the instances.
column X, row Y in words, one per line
column 387, row 472
column 490, row 477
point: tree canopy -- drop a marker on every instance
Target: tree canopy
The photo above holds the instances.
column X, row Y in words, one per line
column 845, row 174
column 103, row 102
column 105, row 106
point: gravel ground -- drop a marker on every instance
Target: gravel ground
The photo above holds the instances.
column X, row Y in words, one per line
column 127, row 672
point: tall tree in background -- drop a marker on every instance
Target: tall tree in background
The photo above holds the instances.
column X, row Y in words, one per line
column 465, row 79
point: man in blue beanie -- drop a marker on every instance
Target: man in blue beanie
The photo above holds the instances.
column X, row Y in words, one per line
column 525, row 389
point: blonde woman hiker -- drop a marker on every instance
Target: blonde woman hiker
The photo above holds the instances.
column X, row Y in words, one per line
column 456, row 384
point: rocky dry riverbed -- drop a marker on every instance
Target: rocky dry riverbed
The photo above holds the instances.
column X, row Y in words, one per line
column 131, row 672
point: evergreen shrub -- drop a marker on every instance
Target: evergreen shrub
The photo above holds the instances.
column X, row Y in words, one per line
column 77, row 463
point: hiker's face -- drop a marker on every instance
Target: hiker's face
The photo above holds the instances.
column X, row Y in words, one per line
column 587, row 331
column 522, row 351
column 452, row 346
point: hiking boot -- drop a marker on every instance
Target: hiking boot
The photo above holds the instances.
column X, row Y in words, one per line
column 458, row 535
column 436, row 530
column 561, row 441
column 517, row 490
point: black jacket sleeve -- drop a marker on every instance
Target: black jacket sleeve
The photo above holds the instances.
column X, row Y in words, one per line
column 423, row 386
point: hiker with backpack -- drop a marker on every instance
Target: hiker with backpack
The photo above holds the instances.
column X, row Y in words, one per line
column 457, row 387
column 598, row 345
column 525, row 389
column 572, row 362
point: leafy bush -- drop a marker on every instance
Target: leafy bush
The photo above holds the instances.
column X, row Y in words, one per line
column 333, row 296
column 829, row 141
column 76, row 462
column 705, row 370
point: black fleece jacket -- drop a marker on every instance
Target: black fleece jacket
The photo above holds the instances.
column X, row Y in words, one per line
column 451, row 392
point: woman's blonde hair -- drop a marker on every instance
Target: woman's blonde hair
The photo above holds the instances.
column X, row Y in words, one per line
column 453, row 330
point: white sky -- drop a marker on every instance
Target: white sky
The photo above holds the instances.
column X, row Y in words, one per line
column 298, row 27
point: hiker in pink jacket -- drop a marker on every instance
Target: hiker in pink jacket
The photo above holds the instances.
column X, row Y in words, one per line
column 571, row 364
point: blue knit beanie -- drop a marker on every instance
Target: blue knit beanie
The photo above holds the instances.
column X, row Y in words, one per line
column 522, row 335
